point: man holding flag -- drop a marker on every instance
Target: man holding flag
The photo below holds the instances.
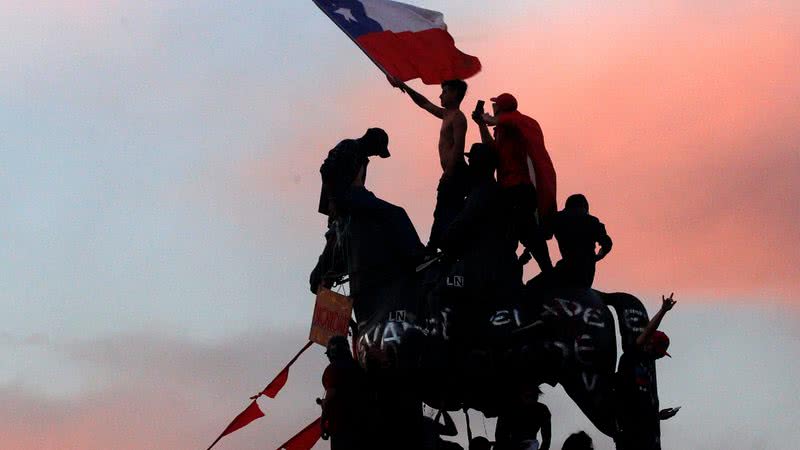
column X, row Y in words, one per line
column 453, row 184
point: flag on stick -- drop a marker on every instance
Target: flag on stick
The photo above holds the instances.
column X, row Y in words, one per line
column 403, row 40
column 279, row 381
column 250, row 414
column 306, row 438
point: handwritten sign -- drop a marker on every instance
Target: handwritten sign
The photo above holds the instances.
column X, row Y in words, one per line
column 331, row 316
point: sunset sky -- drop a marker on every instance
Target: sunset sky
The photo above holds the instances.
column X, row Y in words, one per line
column 159, row 179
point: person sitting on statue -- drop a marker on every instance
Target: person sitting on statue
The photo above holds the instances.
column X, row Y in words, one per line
column 520, row 421
column 522, row 160
column 345, row 402
column 453, row 184
column 578, row 234
column 344, row 194
column 638, row 415
column 479, row 236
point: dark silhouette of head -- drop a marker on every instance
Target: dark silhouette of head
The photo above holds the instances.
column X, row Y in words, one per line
column 375, row 142
column 482, row 162
column 504, row 103
column 658, row 345
column 479, row 443
column 578, row 441
column 338, row 349
column 453, row 91
column 577, row 201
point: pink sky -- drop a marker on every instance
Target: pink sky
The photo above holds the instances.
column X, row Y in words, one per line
column 679, row 121
column 680, row 128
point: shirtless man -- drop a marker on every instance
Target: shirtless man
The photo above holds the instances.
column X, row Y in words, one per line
column 453, row 184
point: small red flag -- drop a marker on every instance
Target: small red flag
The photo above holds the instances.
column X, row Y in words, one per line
column 275, row 385
column 306, row 438
column 250, row 414
column 279, row 381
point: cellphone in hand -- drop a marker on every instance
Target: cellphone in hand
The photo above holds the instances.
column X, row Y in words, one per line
column 479, row 107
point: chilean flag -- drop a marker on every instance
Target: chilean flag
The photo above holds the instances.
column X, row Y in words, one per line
column 405, row 41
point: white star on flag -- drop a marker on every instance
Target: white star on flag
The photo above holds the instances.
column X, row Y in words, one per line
column 346, row 13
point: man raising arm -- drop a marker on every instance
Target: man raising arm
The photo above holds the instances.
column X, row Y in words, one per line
column 453, row 184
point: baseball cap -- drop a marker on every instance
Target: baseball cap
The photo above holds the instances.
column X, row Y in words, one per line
column 505, row 102
column 377, row 141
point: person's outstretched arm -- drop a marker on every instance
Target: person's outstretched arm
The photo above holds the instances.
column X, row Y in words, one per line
column 486, row 135
column 666, row 304
column 418, row 98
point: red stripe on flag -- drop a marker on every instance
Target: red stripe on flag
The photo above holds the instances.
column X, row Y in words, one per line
column 306, row 438
column 250, row 414
column 430, row 55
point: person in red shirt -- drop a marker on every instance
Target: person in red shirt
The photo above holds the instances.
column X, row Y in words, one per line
column 525, row 172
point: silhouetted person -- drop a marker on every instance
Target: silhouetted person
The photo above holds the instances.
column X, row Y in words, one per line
column 453, row 184
column 479, row 234
column 578, row 233
column 344, row 405
column 346, row 162
column 578, row 441
column 522, row 160
column 519, row 424
column 480, row 443
column 387, row 239
column 432, row 432
column 638, row 415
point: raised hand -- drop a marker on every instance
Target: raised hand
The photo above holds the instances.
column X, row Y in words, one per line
column 396, row 83
column 667, row 302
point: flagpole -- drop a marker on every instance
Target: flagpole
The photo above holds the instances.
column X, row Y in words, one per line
column 385, row 72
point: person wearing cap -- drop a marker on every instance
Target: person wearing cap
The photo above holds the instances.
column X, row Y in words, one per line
column 638, row 415
column 453, row 184
column 479, row 236
column 522, row 161
column 343, row 408
column 346, row 163
column 387, row 240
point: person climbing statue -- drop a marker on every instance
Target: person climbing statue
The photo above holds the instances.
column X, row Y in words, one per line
column 388, row 239
column 520, row 421
column 453, row 184
column 346, row 162
column 479, row 237
column 345, row 403
column 578, row 234
column 525, row 172
column 636, row 387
